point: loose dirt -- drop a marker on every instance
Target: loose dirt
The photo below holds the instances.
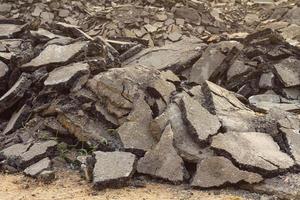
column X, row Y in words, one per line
column 70, row 186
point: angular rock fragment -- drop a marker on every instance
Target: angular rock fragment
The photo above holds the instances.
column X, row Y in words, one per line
column 14, row 150
column 88, row 130
column 283, row 186
column 55, row 55
column 70, row 76
column 15, row 93
column 232, row 113
column 43, row 34
column 175, row 57
column 184, row 142
column 188, row 14
column 163, row 161
column 3, row 70
column 35, row 169
column 266, row 80
column 200, row 122
column 288, row 72
column 17, row 119
column 258, row 151
column 113, row 168
column 211, row 60
column 217, row 171
column 265, row 102
column 289, row 126
column 135, row 134
column 10, row 30
column 36, row 152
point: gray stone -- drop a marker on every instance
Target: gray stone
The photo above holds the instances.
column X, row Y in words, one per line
column 186, row 146
column 291, row 93
column 113, row 168
column 266, row 80
column 36, row 152
column 69, row 75
column 200, row 122
column 238, row 69
column 10, row 30
column 265, row 102
column 43, row 34
column 163, row 161
column 290, row 127
column 293, row 15
column 211, row 60
column 55, row 55
column 217, row 171
column 175, row 36
column 88, row 130
column 172, row 56
column 17, row 119
column 14, row 150
column 35, row 169
column 283, row 187
column 288, row 72
column 135, row 134
column 15, row 93
column 222, row 99
column 188, row 14
column 258, row 150
column 3, row 70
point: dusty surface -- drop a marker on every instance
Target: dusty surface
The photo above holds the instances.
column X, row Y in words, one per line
column 71, row 186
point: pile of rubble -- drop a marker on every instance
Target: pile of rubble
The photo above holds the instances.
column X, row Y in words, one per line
column 211, row 111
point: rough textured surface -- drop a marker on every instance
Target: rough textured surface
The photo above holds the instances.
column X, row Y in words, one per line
column 67, row 75
column 38, row 167
column 284, row 186
column 113, row 168
column 211, row 59
column 15, row 93
column 259, row 150
column 288, row 72
column 163, row 161
column 171, row 56
column 217, row 171
column 200, row 122
column 55, row 55
column 135, row 134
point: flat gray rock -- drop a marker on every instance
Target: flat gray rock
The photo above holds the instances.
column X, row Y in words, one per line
column 284, row 186
column 68, row 75
column 36, row 152
column 38, row 167
column 135, row 134
column 290, row 127
column 187, row 147
column 222, row 99
column 163, row 161
column 288, row 72
column 211, row 59
column 88, row 130
column 265, row 102
column 55, row 55
column 200, row 122
column 253, row 149
column 216, row 171
column 17, row 119
column 10, row 30
column 113, row 168
column 15, row 93
column 14, row 150
column 3, row 70
column 171, row 56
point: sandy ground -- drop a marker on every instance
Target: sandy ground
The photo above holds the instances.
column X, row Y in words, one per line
column 71, row 186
